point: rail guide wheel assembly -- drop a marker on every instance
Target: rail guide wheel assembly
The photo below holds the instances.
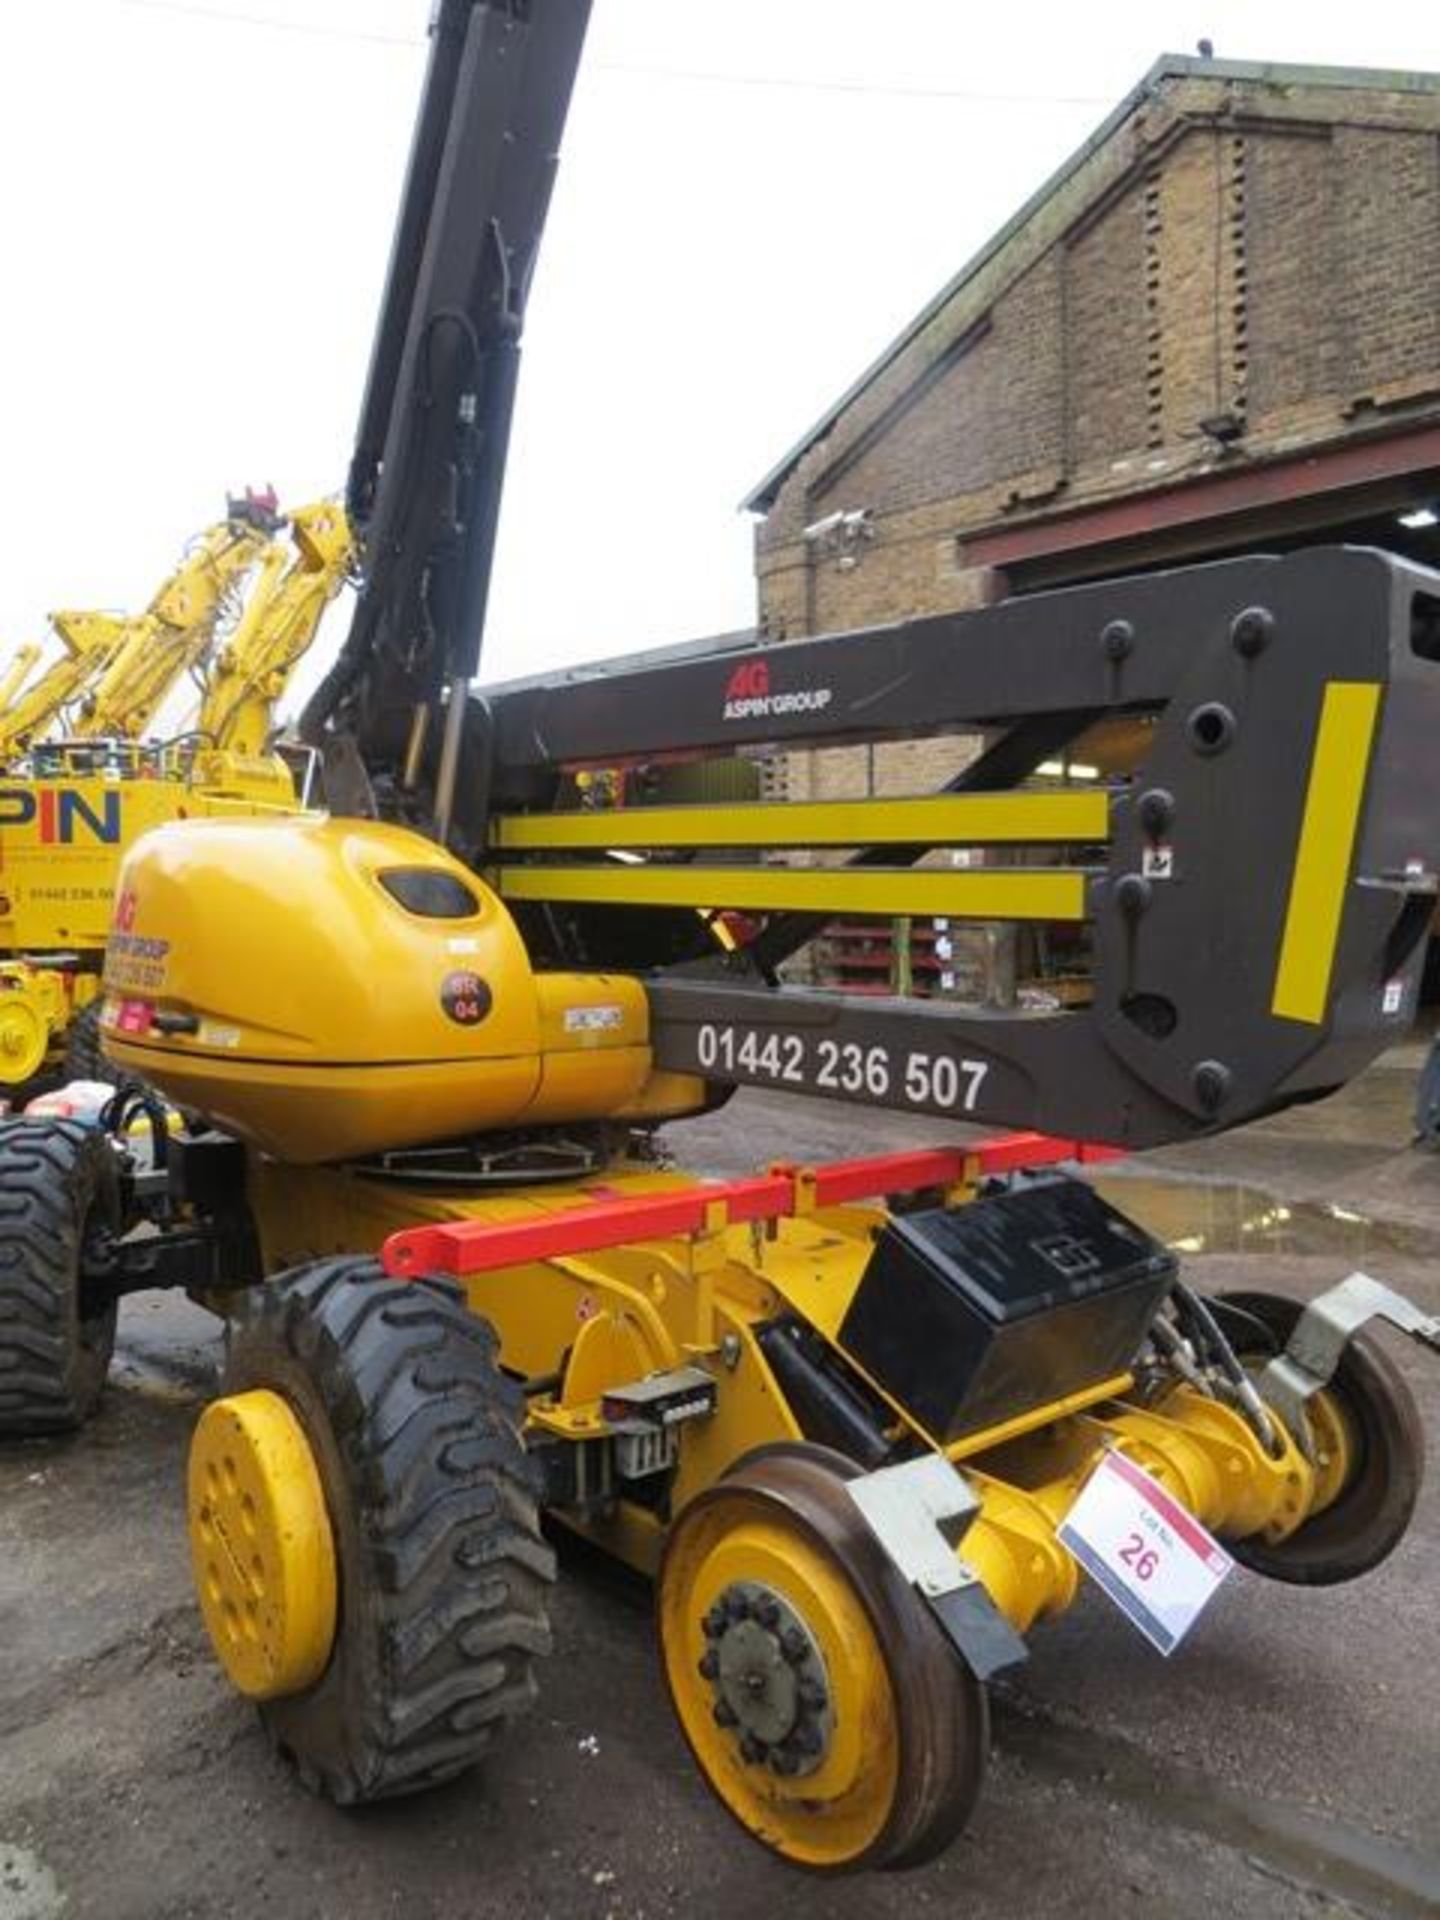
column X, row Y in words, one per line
column 818, row 1697
column 365, row 1497
column 1357, row 1421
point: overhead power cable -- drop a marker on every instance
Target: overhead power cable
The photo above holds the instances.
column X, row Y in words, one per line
column 791, row 83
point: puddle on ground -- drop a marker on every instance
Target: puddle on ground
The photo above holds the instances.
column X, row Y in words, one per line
column 167, row 1349
column 1225, row 1216
column 1368, row 1872
column 167, row 1379
column 176, row 1375
column 27, row 1887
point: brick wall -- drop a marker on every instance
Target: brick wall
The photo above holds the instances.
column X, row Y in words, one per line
column 1294, row 292
column 1106, row 321
column 1387, row 186
column 1265, row 247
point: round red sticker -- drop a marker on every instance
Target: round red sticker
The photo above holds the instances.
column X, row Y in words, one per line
column 465, row 998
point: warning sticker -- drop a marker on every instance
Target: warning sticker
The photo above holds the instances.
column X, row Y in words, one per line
column 593, row 1019
column 465, row 997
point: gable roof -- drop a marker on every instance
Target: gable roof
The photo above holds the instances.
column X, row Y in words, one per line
column 1170, row 66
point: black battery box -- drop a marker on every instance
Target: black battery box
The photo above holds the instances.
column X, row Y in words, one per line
column 972, row 1316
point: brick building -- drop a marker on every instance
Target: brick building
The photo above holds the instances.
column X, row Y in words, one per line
column 1215, row 329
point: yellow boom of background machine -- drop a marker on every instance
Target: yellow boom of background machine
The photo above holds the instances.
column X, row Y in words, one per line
column 79, row 780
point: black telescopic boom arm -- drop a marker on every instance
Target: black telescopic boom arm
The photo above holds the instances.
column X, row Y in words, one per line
column 426, row 476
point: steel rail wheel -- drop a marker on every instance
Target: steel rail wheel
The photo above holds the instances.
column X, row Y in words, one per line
column 818, row 1697
column 1368, row 1432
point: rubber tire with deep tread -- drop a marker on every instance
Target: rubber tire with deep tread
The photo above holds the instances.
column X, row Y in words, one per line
column 84, row 1056
column 1371, row 1516
column 58, row 1179
column 442, row 1570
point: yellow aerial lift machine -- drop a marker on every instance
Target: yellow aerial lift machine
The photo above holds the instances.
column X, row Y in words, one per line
column 79, row 780
column 843, row 1414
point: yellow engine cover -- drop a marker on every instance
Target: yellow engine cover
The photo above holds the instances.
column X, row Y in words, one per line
column 331, row 988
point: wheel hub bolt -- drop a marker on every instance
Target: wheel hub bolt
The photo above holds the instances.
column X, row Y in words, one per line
column 794, row 1645
column 770, row 1686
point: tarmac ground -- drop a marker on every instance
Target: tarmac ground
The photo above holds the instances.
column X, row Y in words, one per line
column 1285, row 1762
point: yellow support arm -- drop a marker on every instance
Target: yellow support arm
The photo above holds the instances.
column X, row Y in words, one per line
column 282, row 616
column 988, row 893
column 962, row 820
column 18, row 671
column 90, row 642
column 173, row 634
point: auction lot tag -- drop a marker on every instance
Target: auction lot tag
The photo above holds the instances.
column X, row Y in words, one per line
column 1156, row 1562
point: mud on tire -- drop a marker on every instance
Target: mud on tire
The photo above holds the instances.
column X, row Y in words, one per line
column 58, row 1188
column 441, row 1566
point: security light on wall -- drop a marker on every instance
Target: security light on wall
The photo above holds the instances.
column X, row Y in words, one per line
column 820, row 529
column 844, row 526
column 1418, row 517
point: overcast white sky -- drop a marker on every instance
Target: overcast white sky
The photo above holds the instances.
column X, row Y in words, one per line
column 196, row 199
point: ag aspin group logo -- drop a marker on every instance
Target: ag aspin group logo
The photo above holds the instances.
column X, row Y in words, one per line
column 748, row 695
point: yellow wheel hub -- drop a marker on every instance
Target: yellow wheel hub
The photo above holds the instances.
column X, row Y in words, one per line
column 24, row 1036
column 1336, row 1449
column 811, row 1766
column 261, row 1545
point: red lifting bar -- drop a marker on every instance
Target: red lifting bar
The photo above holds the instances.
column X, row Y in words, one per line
column 461, row 1247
